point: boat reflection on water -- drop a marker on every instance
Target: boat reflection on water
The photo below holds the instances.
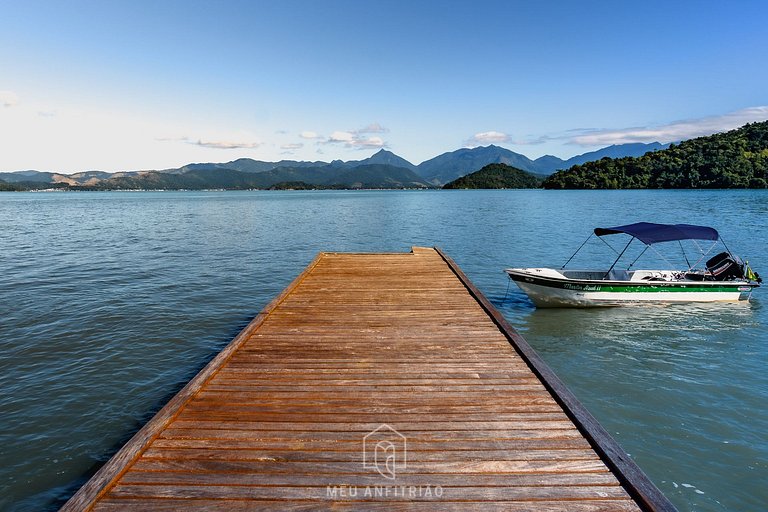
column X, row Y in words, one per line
column 648, row 325
column 651, row 345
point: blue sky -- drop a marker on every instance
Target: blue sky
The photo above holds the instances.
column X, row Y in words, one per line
column 118, row 85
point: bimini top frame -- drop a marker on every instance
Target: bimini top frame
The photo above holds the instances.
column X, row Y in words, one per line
column 652, row 233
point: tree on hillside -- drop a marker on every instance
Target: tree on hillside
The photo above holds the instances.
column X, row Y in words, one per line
column 494, row 176
column 734, row 159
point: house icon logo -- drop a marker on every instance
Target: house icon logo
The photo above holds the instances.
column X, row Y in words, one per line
column 384, row 449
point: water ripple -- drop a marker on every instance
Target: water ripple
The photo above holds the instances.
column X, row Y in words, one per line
column 110, row 302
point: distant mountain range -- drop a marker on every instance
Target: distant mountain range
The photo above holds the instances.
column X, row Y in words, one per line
column 382, row 170
column 449, row 166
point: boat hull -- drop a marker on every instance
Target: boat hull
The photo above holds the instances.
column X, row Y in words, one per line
column 546, row 289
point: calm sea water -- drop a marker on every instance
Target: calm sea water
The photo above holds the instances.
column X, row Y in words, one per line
column 110, row 302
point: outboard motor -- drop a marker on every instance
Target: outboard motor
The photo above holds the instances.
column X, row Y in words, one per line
column 725, row 266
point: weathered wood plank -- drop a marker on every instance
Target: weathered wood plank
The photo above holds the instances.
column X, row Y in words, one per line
column 353, row 468
column 185, row 418
column 427, row 435
column 503, row 470
column 382, row 410
column 550, row 445
column 504, row 493
column 309, row 452
column 180, row 427
column 228, row 505
column 137, row 476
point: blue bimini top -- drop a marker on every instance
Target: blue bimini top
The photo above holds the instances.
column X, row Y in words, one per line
column 651, row 233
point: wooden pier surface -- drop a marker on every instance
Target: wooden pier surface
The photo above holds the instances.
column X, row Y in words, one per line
column 373, row 382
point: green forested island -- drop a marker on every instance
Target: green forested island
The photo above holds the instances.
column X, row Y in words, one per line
column 497, row 176
column 734, row 159
column 7, row 187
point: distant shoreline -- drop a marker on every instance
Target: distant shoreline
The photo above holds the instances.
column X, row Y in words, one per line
column 436, row 189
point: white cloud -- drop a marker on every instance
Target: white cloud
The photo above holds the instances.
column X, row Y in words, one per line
column 491, row 137
column 355, row 140
column 370, row 142
column 345, row 137
column 372, row 128
column 8, row 98
column 359, row 139
column 172, row 139
column 543, row 139
column 309, row 135
column 292, row 147
column 213, row 144
column 678, row 130
column 225, row 144
column 494, row 137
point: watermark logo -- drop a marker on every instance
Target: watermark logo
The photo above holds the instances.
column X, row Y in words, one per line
column 385, row 450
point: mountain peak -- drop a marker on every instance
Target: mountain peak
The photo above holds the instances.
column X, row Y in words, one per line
column 449, row 166
column 386, row 157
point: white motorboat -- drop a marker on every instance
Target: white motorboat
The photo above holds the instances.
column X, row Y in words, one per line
column 724, row 277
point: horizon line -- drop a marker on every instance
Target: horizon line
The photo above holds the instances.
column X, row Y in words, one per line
column 66, row 173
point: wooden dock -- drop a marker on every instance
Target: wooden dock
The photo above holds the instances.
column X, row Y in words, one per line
column 373, row 382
